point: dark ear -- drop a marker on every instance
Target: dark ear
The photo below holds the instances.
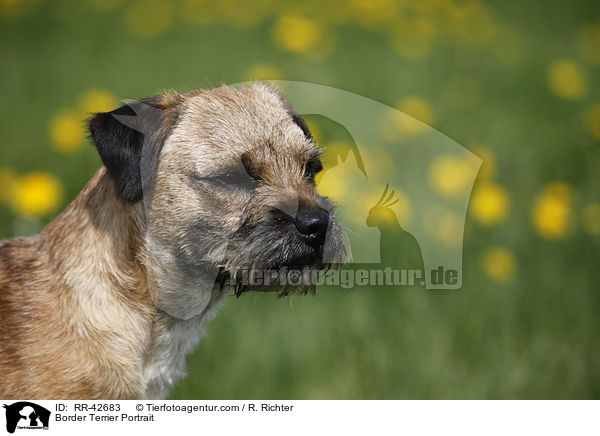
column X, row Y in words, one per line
column 123, row 135
column 299, row 121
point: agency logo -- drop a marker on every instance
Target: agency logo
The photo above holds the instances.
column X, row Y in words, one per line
column 26, row 415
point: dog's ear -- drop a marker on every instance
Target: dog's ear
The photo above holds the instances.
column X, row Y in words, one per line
column 124, row 135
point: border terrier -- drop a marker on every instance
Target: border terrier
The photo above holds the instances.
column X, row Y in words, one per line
column 107, row 301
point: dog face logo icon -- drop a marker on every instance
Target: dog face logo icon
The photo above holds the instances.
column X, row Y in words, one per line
column 25, row 415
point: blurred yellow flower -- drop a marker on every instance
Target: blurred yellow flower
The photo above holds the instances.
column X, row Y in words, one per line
column 7, row 180
column 366, row 200
column 592, row 120
column 450, row 175
column 389, row 125
column 410, row 117
column 412, row 38
column 15, row 8
column 551, row 211
column 244, row 14
column 36, row 194
column 471, row 22
column 335, row 188
column 296, row 33
column 445, row 226
column 263, row 72
column 489, row 203
column 341, row 172
column 488, row 166
column 588, row 43
column 379, row 164
column 314, row 129
column 332, row 157
column 419, row 108
column 199, row 12
column 98, row 100
column 67, row 131
column 567, row 79
column 372, row 13
column 499, row 263
column 590, row 219
column 149, row 18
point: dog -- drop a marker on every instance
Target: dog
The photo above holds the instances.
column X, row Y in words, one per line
column 195, row 189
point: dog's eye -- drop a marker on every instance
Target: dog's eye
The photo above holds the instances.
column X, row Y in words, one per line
column 312, row 169
column 236, row 179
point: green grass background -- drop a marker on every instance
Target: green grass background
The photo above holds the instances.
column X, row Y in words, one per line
column 536, row 336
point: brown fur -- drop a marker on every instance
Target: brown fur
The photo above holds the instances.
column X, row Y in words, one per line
column 98, row 305
column 56, row 339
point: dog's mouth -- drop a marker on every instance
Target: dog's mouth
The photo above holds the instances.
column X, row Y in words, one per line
column 297, row 275
column 287, row 264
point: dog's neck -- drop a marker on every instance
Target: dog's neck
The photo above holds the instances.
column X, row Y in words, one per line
column 97, row 246
column 99, row 237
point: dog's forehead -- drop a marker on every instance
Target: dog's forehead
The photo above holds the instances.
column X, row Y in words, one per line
column 226, row 123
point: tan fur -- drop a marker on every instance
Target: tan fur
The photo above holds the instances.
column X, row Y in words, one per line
column 81, row 304
column 76, row 314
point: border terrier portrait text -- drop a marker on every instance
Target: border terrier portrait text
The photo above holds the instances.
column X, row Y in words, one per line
column 106, row 302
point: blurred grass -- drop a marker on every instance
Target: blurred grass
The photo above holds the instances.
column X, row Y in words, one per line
column 533, row 335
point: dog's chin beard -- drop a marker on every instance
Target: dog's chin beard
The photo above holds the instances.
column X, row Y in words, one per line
column 293, row 278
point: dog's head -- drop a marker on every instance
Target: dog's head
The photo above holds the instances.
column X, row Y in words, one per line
column 226, row 177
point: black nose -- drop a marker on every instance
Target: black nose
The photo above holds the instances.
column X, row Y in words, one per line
column 312, row 225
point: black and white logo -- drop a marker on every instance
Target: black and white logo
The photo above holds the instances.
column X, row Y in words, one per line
column 26, row 415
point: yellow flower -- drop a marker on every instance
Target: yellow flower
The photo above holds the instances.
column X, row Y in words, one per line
column 36, row 194
column 567, row 79
column 7, row 180
column 379, row 164
column 372, row 13
column 149, row 18
column 297, row 34
column 98, row 100
column 489, row 203
column 199, row 12
column 472, row 22
column 588, row 43
column 450, row 175
column 263, row 72
column 410, row 117
column 499, row 263
column 244, row 14
column 413, row 38
column 446, row 226
column 67, row 131
column 488, row 166
column 366, row 200
column 590, row 219
column 341, row 172
column 332, row 156
column 419, row 108
column 335, row 188
column 551, row 211
column 314, row 129
column 389, row 125
column 15, row 8
column 592, row 120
